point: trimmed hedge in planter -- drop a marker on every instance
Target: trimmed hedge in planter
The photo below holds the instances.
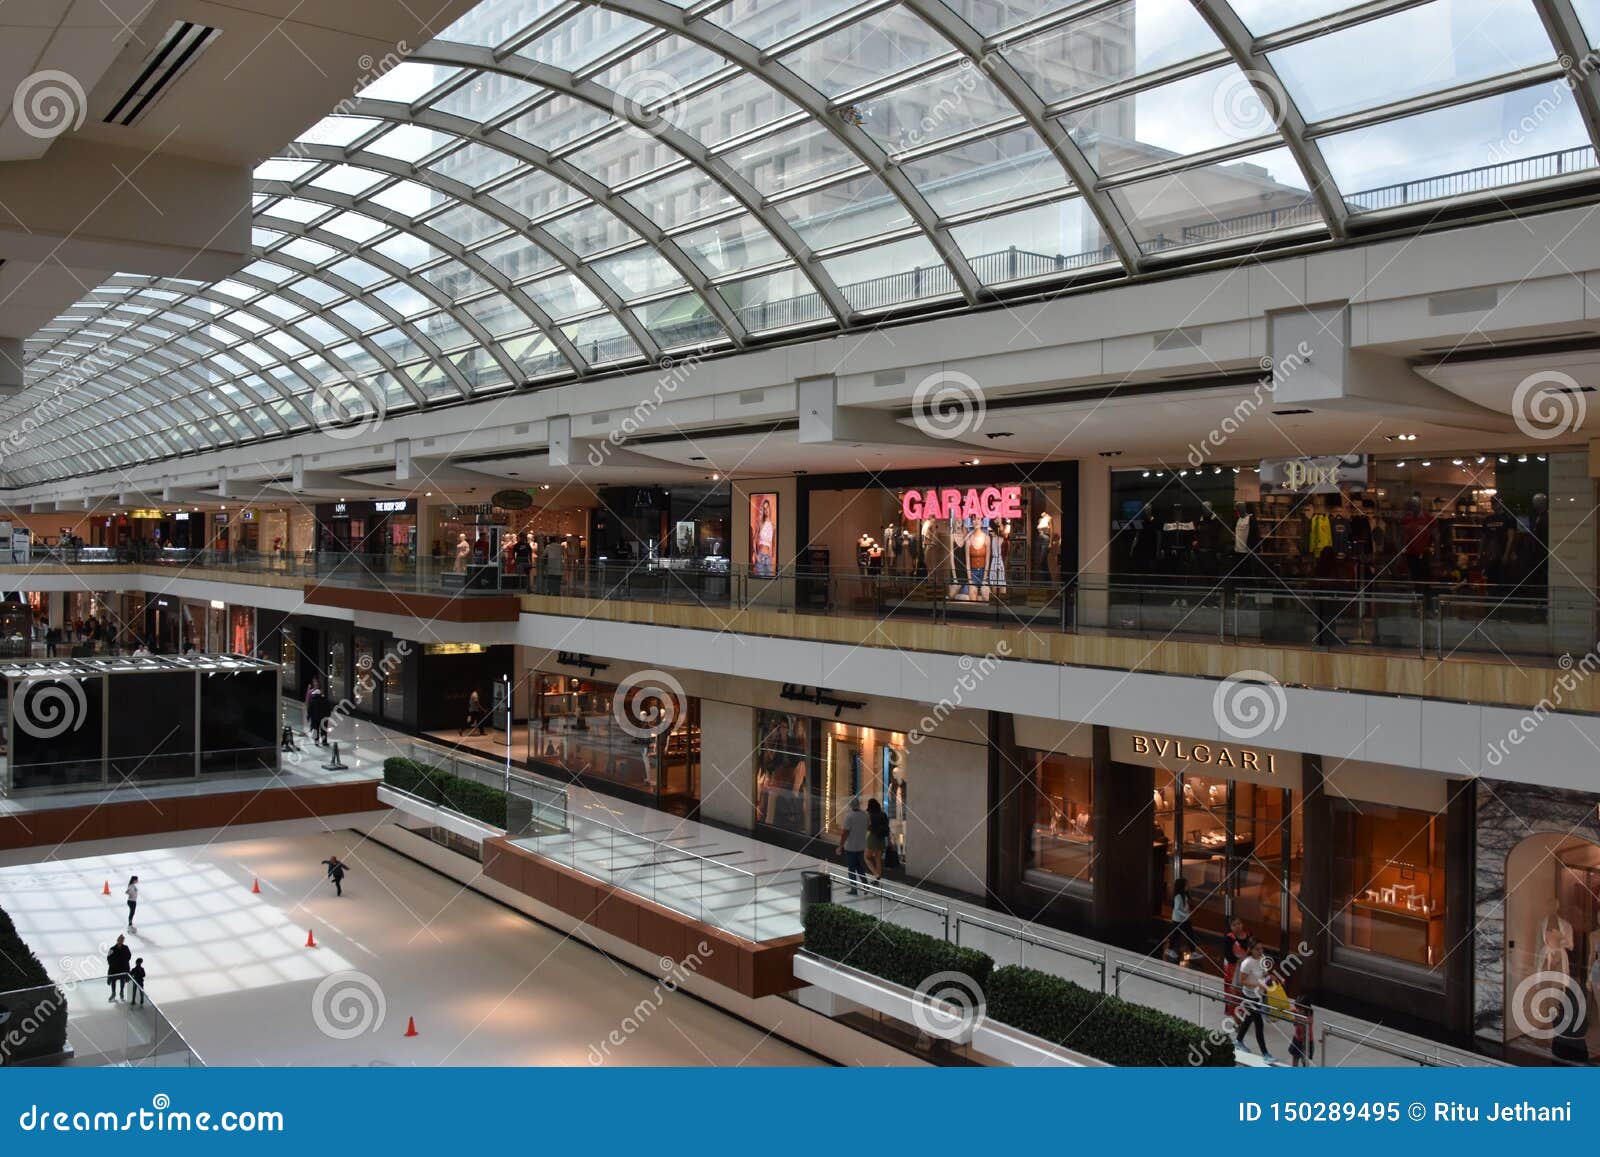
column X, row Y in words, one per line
column 896, row 954
column 435, row 785
column 1105, row 1027
column 38, row 1023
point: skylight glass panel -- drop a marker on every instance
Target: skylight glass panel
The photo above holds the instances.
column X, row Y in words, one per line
column 732, row 247
column 991, row 17
column 590, row 230
column 1528, row 134
column 404, row 299
column 558, row 121
column 1410, row 53
column 985, row 173
column 680, row 321
column 875, row 279
column 474, row 165
column 409, row 143
column 466, row 225
column 849, row 211
column 354, row 227
column 535, row 355
column 736, row 107
column 599, row 340
column 766, row 22
column 623, row 156
column 363, row 317
column 1044, row 241
column 497, row 315
column 316, row 290
column 869, row 50
column 407, row 250
column 278, row 170
column 584, row 37
column 792, row 157
column 561, row 296
column 949, row 103
column 456, row 280
column 358, row 272
column 1113, row 45
column 266, row 271
column 1264, row 16
column 351, row 180
column 515, row 257
column 775, row 301
column 680, row 198
column 493, row 22
column 409, row 197
column 660, row 71
column 294, row 209
column 1589, row 16
column 309, row 251
column 1258, row 194
column 534, row 192
column 638, row 272
column 1160, row 124
column 408, row 82
column 486, row 96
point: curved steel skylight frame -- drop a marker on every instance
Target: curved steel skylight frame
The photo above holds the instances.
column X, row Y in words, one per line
column 555, row 188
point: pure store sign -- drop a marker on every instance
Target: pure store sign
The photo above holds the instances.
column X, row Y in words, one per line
column 973, row 502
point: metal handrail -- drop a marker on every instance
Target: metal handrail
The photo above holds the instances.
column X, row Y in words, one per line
column 1098, row 959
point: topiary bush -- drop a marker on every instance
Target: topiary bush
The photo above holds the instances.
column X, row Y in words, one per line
column 896, row 954
column 37, row 1026
column 1105, row 1027
column 436, row 786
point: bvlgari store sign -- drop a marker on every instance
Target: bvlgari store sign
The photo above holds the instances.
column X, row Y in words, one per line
column 1206, row 757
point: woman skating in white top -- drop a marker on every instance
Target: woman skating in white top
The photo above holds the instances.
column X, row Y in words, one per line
column 133, row 899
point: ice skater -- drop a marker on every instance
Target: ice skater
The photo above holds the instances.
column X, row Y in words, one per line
column 137, row 975
column 336, row 870
column 133, row 900
column 117, row 966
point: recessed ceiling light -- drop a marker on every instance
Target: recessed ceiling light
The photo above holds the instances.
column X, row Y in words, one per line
column 1426, row 462
column 1457, row 462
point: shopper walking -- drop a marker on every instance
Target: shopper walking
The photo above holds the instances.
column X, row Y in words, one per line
column 1235, row 947
column 133, row 899
column 1252, row 977
column 853, row 843
column 317, row 711
column 1303, row 1048
column 117, row 966
column 877, row 838
column 136, row 974
column 336, row 871
column 1179, row 939
column 475, row 712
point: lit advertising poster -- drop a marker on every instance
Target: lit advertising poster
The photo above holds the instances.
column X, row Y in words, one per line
column 764, row 535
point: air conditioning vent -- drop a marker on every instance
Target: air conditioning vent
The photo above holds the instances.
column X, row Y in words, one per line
column 752, row 397
column 600, row 419
column 1180, row 339
column 170, row 59
column 1464, row 301
column 521, row 428
column 889, row 378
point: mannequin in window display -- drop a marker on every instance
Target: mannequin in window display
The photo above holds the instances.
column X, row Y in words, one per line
column 923, row 537
column 1146, row 540
column 463, row 552
column 959, row 588
column 1536, row 547
column 1040, row 572
column 979, row 550
column 863, row 551
column 890, row 542
column 1246, row 539
column 906, row 551
column 1177, row 541
column 1496, row 542
column 1416, row 539
column 1555, row 939
column 874, row 558
column 1000, row 533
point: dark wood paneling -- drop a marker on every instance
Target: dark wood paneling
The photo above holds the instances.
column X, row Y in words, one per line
column 439, row 608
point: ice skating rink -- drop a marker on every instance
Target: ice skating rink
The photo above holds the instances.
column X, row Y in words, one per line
column 231, row 970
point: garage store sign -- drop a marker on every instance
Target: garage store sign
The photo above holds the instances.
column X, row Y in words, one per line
column 973, row 502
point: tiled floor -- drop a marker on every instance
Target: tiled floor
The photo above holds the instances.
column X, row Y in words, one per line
column 231, row 969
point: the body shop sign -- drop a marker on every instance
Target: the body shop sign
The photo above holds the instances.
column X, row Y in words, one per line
column 973, row 502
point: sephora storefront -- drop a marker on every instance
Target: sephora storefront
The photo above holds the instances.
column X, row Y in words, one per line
column 1362, row 870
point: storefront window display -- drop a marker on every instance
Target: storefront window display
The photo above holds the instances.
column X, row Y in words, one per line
column 289, row 659
column 577, row 728
column 1476, row 522
column 394, row 692
column 242, row 630
column 977, row 538
column 1060, row 846
column 337, row 682
column 808, row 770
column 365, row 688
column 1389, row 881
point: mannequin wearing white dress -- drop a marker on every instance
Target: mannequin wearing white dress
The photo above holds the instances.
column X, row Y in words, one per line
column 1555, row 940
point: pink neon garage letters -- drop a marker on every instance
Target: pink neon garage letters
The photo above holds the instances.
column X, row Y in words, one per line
column 989, row 502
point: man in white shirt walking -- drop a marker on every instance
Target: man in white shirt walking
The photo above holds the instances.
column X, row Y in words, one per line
column 853, row 843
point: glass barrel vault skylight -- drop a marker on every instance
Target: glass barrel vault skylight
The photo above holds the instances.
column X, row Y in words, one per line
column 551, row 190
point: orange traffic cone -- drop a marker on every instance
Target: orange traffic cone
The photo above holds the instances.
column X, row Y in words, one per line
column 255, row 889
column 411, row 1026
column 311, row 940
column 106, row 891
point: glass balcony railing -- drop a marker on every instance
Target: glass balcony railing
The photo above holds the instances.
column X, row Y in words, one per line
column 72, row 1022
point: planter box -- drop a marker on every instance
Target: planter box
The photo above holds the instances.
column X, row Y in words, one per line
column 930, row 1016
column 1012, row 1046
column 436, row 816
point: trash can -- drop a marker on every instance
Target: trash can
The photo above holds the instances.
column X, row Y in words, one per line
column 815, row 888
